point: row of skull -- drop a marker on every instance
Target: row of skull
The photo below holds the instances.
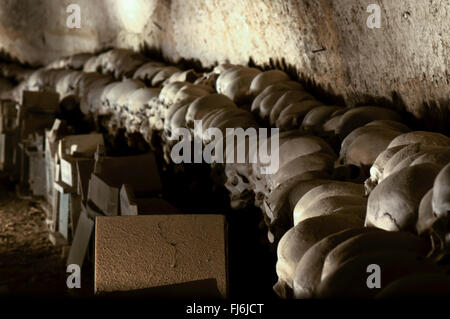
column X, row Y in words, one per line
column 356, row 177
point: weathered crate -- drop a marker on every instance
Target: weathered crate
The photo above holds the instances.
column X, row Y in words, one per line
column 110, row 173
column 57, row 239
column 74, row 212
column 55, row 200
column 157, row 253
column 8, row 116
column 68, row 210
column 40, row 102
column 84, row 171
column 103, row 196
column 131, row 205
column 50, row 168
column 52, row 137
column 37, row 112
column 30, row 163
column 8, row 152
column 92, row 213
column 81, row 145
column 75, row 148
column 63, row 209
column 36, row 174
column 66, row 201
column 9, row 120
column 81, row 240
column 58, row 234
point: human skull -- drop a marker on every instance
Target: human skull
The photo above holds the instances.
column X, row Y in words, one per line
column 359, row 116
column 345, row 194
column 163, row 74
column 307, row 275
column 316, row 117
column 440, row 203
column 266, row 78
column 235, row 83
column 393, row 204
column 295, row 242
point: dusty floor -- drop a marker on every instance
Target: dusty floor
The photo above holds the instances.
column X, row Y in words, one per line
column 29, row 263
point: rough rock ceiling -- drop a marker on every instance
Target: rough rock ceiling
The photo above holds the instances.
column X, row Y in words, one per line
column 406, row 61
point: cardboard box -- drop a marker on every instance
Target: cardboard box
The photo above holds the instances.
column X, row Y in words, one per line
column 110, row 173
column 103, row 196
column 74, row 212
column 81, row 145
column 52, row 138
column 69, row 170
column 62, row 209
column 84, row 171
column 157, row 252
column 92, row 211
column 75, row 148
column 130, row 205
column 8, row 116
column 63, row 215
column 82, row 237
column 37, row 112
column 8, row 143
column 139, row 171
column 67, row 202
column 50, row 168
column 57, row 239
column 67, row 209
column 36, row 174
column 55, row 199
column 22, row 166
column 40, row 102
column 50, row 162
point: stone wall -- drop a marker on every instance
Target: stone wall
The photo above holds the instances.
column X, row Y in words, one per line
column 327, row 43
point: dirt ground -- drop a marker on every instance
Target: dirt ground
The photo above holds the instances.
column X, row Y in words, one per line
column 29, row 263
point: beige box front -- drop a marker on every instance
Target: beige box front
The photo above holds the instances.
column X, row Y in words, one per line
column 141, row 252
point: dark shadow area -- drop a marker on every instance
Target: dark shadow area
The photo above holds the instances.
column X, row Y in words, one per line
column 435, row 118
column 204, row 289
column 29, row 263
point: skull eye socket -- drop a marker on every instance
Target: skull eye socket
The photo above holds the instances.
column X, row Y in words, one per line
column 234, row 181
column 244, row 179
